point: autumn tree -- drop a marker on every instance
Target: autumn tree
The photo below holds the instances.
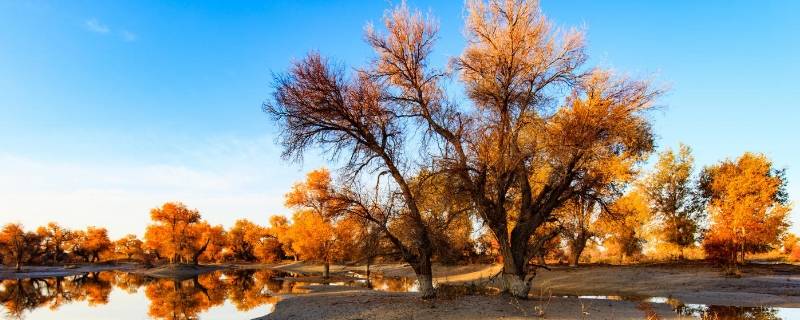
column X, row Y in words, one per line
column 318, row 231
column 171, row 230
column 19, row 246
column 624, row 228
column 673, row 198
column 91, row 243
column 519, row 148
column 748, row 207
column 250, row 242
column 55, row 239
column 790, row 242
column 128, row 246
column 217, row 239
column 578, row 216
column 279, row 227
column 448, row 217
column 317, row 104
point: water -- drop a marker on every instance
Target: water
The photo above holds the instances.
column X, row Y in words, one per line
column 703, row 311
column 119, row 295
column 239, row 294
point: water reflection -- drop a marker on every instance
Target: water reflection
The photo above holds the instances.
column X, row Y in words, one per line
column 168, row 298
column 703, row 311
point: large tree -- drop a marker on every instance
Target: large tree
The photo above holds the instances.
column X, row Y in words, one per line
column 178, row 233
column 673, row 198
column 748, row 204
column 519, row 148
column 55, row 239
column 19, row 246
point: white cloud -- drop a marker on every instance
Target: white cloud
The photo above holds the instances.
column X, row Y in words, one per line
column 129, row 36
column 96, row 26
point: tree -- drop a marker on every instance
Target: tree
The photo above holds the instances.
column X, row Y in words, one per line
column 128, row 246
column 673, row 199
column 55, row 238
column 94, row 243
column 578, row 216
column 513, row 149
column 250, row 242
column 748, row 205
column 171, row 229
column 19, row 246
column 318, row 231
column 279, row 227
column 317, row 104
column 790, row 242
column 624, row 228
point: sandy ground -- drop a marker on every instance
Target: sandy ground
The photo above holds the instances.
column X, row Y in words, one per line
column 625, row 292
column 341, row 302
column 695, row 283
column 63, row 271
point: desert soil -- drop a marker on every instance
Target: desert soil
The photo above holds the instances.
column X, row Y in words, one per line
column 623, row 293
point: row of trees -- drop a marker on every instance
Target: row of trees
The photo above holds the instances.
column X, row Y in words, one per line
column 52, row 244
column 538, row 131
column 732, row 208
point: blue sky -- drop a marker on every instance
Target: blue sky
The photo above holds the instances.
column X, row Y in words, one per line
column 108, row 109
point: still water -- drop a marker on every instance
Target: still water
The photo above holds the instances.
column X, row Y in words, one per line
column 703, row 311
column 235, row 294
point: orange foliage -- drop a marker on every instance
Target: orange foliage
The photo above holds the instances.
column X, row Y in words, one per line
column 748, row 207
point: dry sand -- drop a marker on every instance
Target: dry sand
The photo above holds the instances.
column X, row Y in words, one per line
column 627, row 288
column 340, row 302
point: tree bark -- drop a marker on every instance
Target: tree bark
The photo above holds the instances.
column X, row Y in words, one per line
column 196, row 257
column 576, row 249
column 326, row 271
column 424, row 277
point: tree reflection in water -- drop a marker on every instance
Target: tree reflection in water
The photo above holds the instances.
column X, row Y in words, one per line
column 169, row 298
column 729, row 312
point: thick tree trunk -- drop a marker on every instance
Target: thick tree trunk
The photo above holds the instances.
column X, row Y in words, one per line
column 515, row 281
column 424, row 277
column 326, row 271
column 196, row 257
column 576, row 249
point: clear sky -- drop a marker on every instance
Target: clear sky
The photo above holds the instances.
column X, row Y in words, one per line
column 110, row 108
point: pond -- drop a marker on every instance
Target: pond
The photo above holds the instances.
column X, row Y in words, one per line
column 120, row 295
column 703, row 311
column 238, row 294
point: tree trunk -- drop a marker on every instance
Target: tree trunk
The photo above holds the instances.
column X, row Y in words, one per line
column 540, row 260
column 424, row 277
column 326, row 271
column 196, row 257
column 18, row 266
column 515, row 280
column 576, row 249
column 369, row 284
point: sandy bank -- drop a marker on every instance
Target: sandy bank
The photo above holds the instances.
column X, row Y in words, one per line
column 342, row 302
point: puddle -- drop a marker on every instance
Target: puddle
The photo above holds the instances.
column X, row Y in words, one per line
column 704, row 311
